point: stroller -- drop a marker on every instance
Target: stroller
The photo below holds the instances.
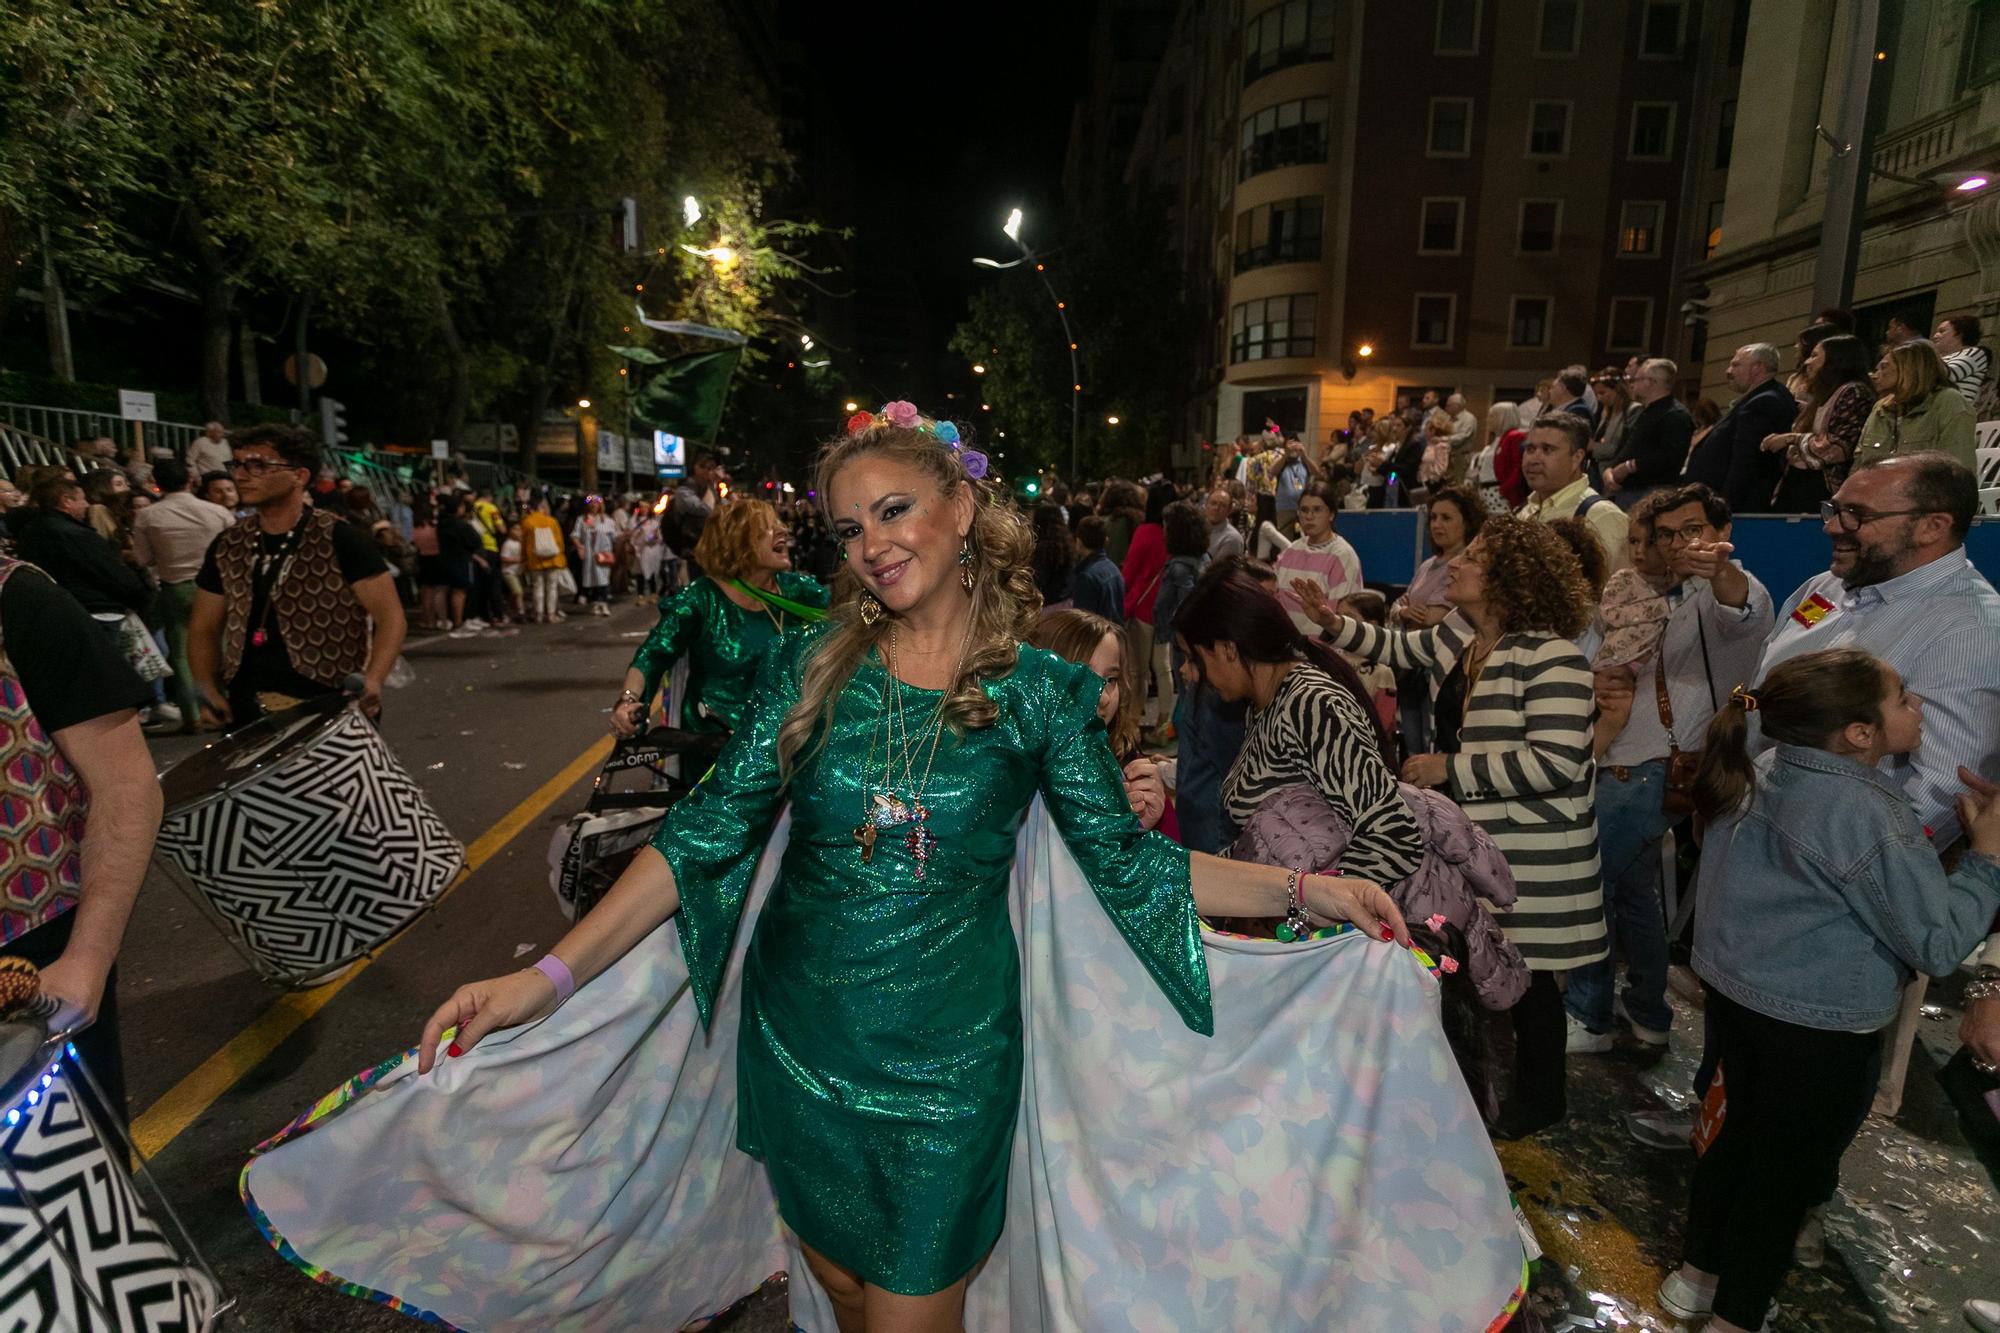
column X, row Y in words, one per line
column 593, row 847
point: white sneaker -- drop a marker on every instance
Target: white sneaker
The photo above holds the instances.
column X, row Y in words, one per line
column 599, row 609
column 1582, row 1041
column 1684, row 1300
column 1809, row 1249
column 1667, row 1133
column 473, row 623
column 1983, row 1315
column 167, row 713
column 1645, row 1035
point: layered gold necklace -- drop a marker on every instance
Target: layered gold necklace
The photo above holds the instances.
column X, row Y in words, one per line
column 898, row 803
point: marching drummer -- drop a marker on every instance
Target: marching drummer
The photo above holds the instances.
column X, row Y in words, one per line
column 290, row 602
column 82, row 807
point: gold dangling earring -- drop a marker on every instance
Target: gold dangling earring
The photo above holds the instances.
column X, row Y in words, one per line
column 871, row 609
column 965, row 564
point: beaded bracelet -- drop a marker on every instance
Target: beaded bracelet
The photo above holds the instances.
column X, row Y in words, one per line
column 1297, row 924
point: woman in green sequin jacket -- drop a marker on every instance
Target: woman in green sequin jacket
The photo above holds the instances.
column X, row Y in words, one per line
column 723, row 622
column 880, row 1050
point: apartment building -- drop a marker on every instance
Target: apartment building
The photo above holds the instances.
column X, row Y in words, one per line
column 1382, row 197
column 1931, row 243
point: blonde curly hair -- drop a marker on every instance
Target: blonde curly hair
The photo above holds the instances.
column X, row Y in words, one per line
column 1004, row 597
column 734, row 537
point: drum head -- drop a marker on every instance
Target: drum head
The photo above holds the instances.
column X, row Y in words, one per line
column 246, row 753
column 23, row 1056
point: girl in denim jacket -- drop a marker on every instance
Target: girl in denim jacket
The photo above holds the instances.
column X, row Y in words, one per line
column 1819, row 895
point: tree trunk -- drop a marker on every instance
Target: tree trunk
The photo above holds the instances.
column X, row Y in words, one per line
column 218, row 304
column 302, row 358
column 246, row 356
column 55, row 315
column 458, row 367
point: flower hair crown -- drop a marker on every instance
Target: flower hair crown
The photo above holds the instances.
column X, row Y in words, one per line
column 904, row 416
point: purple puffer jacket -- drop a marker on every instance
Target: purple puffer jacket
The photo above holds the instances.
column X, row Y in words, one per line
column 1296, row 827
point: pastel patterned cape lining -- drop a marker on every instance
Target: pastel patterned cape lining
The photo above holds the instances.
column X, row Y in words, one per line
column 1316, row 1164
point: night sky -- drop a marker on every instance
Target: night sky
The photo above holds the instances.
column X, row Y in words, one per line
column 969, row 116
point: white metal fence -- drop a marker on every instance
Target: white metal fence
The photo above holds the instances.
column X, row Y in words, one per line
column 62, row 427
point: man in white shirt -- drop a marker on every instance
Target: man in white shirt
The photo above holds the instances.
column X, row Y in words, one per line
column 210, row 451
column 1223, row 538
column 1465, row 439
column 170, row 538
column 1553, row 458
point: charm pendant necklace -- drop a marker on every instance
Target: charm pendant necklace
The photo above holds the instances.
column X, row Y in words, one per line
column 886, row 807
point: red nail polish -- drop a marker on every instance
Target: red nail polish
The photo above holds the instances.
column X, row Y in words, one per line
column 453, row 1051
column 1388, row 933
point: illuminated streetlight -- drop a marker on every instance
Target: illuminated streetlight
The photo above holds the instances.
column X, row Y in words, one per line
column 1013, row 227
column 691, row 210
column 978, row 369
column 1365, row 351
column 1111, row 421
column 1971, row 184
column 854, row 407
column 583, row 402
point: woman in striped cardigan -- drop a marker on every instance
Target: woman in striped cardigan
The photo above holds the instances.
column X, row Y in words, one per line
column 1512, row 700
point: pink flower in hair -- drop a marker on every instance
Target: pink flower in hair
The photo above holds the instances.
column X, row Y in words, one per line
column 901, row 413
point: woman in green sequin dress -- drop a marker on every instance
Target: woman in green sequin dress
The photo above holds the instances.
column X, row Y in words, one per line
column 879, row 1059
column 722, row 622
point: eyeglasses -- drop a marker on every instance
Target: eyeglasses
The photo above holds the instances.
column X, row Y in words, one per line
column 1852, row 517
column 1675, row 536
column 256, row 466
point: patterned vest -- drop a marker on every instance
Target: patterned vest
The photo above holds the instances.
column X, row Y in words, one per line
column 42, row 809
column 324, row 626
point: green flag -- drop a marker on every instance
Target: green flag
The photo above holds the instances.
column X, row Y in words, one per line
column 685, row 396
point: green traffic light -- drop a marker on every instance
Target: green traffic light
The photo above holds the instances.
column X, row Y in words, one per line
column 1034, row 488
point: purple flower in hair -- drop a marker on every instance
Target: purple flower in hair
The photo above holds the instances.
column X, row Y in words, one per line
column 901, row 413
column 975, row 463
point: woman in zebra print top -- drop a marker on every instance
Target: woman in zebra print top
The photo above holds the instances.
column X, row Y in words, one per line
column 1514, row 713
column 1309, row 721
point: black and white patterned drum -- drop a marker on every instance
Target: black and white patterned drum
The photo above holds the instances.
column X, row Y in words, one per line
column 306, row 839
column 81, row 1250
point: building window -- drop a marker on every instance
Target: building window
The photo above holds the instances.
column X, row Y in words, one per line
column 1639, row 226
column 1548, row 129
column 1281, row 233
column 1287, row 34
column 1282, row 136
column 1528, row 323
column 1712, row 239
column 1457, row 28
column 1660, row 29
column 1442, row 230
column 1433, row 319
column 1652, row 132
column 1557, row 33
column 1275, row 327
column 1982, row 45
column 1541, row 223
column 1725, row 133
column 1451, row 127
column 1631, row 323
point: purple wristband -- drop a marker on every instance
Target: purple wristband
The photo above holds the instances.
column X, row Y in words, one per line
column 557, row 972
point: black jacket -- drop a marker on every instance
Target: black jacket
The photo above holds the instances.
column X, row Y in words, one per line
column 1730, row 460
column 83, row 564
column 1656, row 439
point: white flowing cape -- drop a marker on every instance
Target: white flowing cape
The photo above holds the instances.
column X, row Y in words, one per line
column 1317, row 1164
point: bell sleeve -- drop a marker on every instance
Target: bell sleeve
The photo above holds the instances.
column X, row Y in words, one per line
column 1141, row 878
column 681, row 618
column 713, row 838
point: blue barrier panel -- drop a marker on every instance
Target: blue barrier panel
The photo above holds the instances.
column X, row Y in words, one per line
column 1387, row 540
column 1782, row 550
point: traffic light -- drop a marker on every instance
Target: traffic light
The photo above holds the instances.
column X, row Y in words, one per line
column 333, row 423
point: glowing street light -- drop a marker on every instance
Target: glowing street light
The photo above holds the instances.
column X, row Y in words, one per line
column 1365, row 351
column 854, row 407
column 978, row 369
column 1013, row 227
column 1972, row 185
column 1111, row 421
column 583, row 402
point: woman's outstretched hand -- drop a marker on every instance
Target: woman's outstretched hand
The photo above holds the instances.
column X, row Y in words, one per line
column 486, row 1006
column 1357, row 901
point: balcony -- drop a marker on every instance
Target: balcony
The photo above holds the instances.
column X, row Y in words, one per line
column 1914, row 149
column 1289, row 250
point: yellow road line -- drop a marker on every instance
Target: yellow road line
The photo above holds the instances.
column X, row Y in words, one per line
column 166, row 1118
column 1608, row 1254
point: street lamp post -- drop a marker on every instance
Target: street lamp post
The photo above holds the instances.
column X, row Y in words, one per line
column 1013, row 230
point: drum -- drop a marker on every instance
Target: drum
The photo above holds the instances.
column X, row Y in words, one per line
column 591, row 850
column 305, row 839
column 82, row 1248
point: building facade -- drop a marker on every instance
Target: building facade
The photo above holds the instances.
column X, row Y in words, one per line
column 1381, row 198
column 1929, row 247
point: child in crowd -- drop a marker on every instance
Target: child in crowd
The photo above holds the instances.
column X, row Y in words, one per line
column 1807, row 927
column 1080, row 636
column 510, row 569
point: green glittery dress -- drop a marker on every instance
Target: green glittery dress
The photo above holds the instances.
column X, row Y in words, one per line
column 879, row 1056
column 723, row 644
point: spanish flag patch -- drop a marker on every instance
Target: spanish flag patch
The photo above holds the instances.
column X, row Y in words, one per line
column 1812, row 610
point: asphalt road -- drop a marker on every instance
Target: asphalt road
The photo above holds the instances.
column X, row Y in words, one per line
column 218, row 1060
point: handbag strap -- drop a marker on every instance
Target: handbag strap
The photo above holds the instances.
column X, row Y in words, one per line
column 1660, row 680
